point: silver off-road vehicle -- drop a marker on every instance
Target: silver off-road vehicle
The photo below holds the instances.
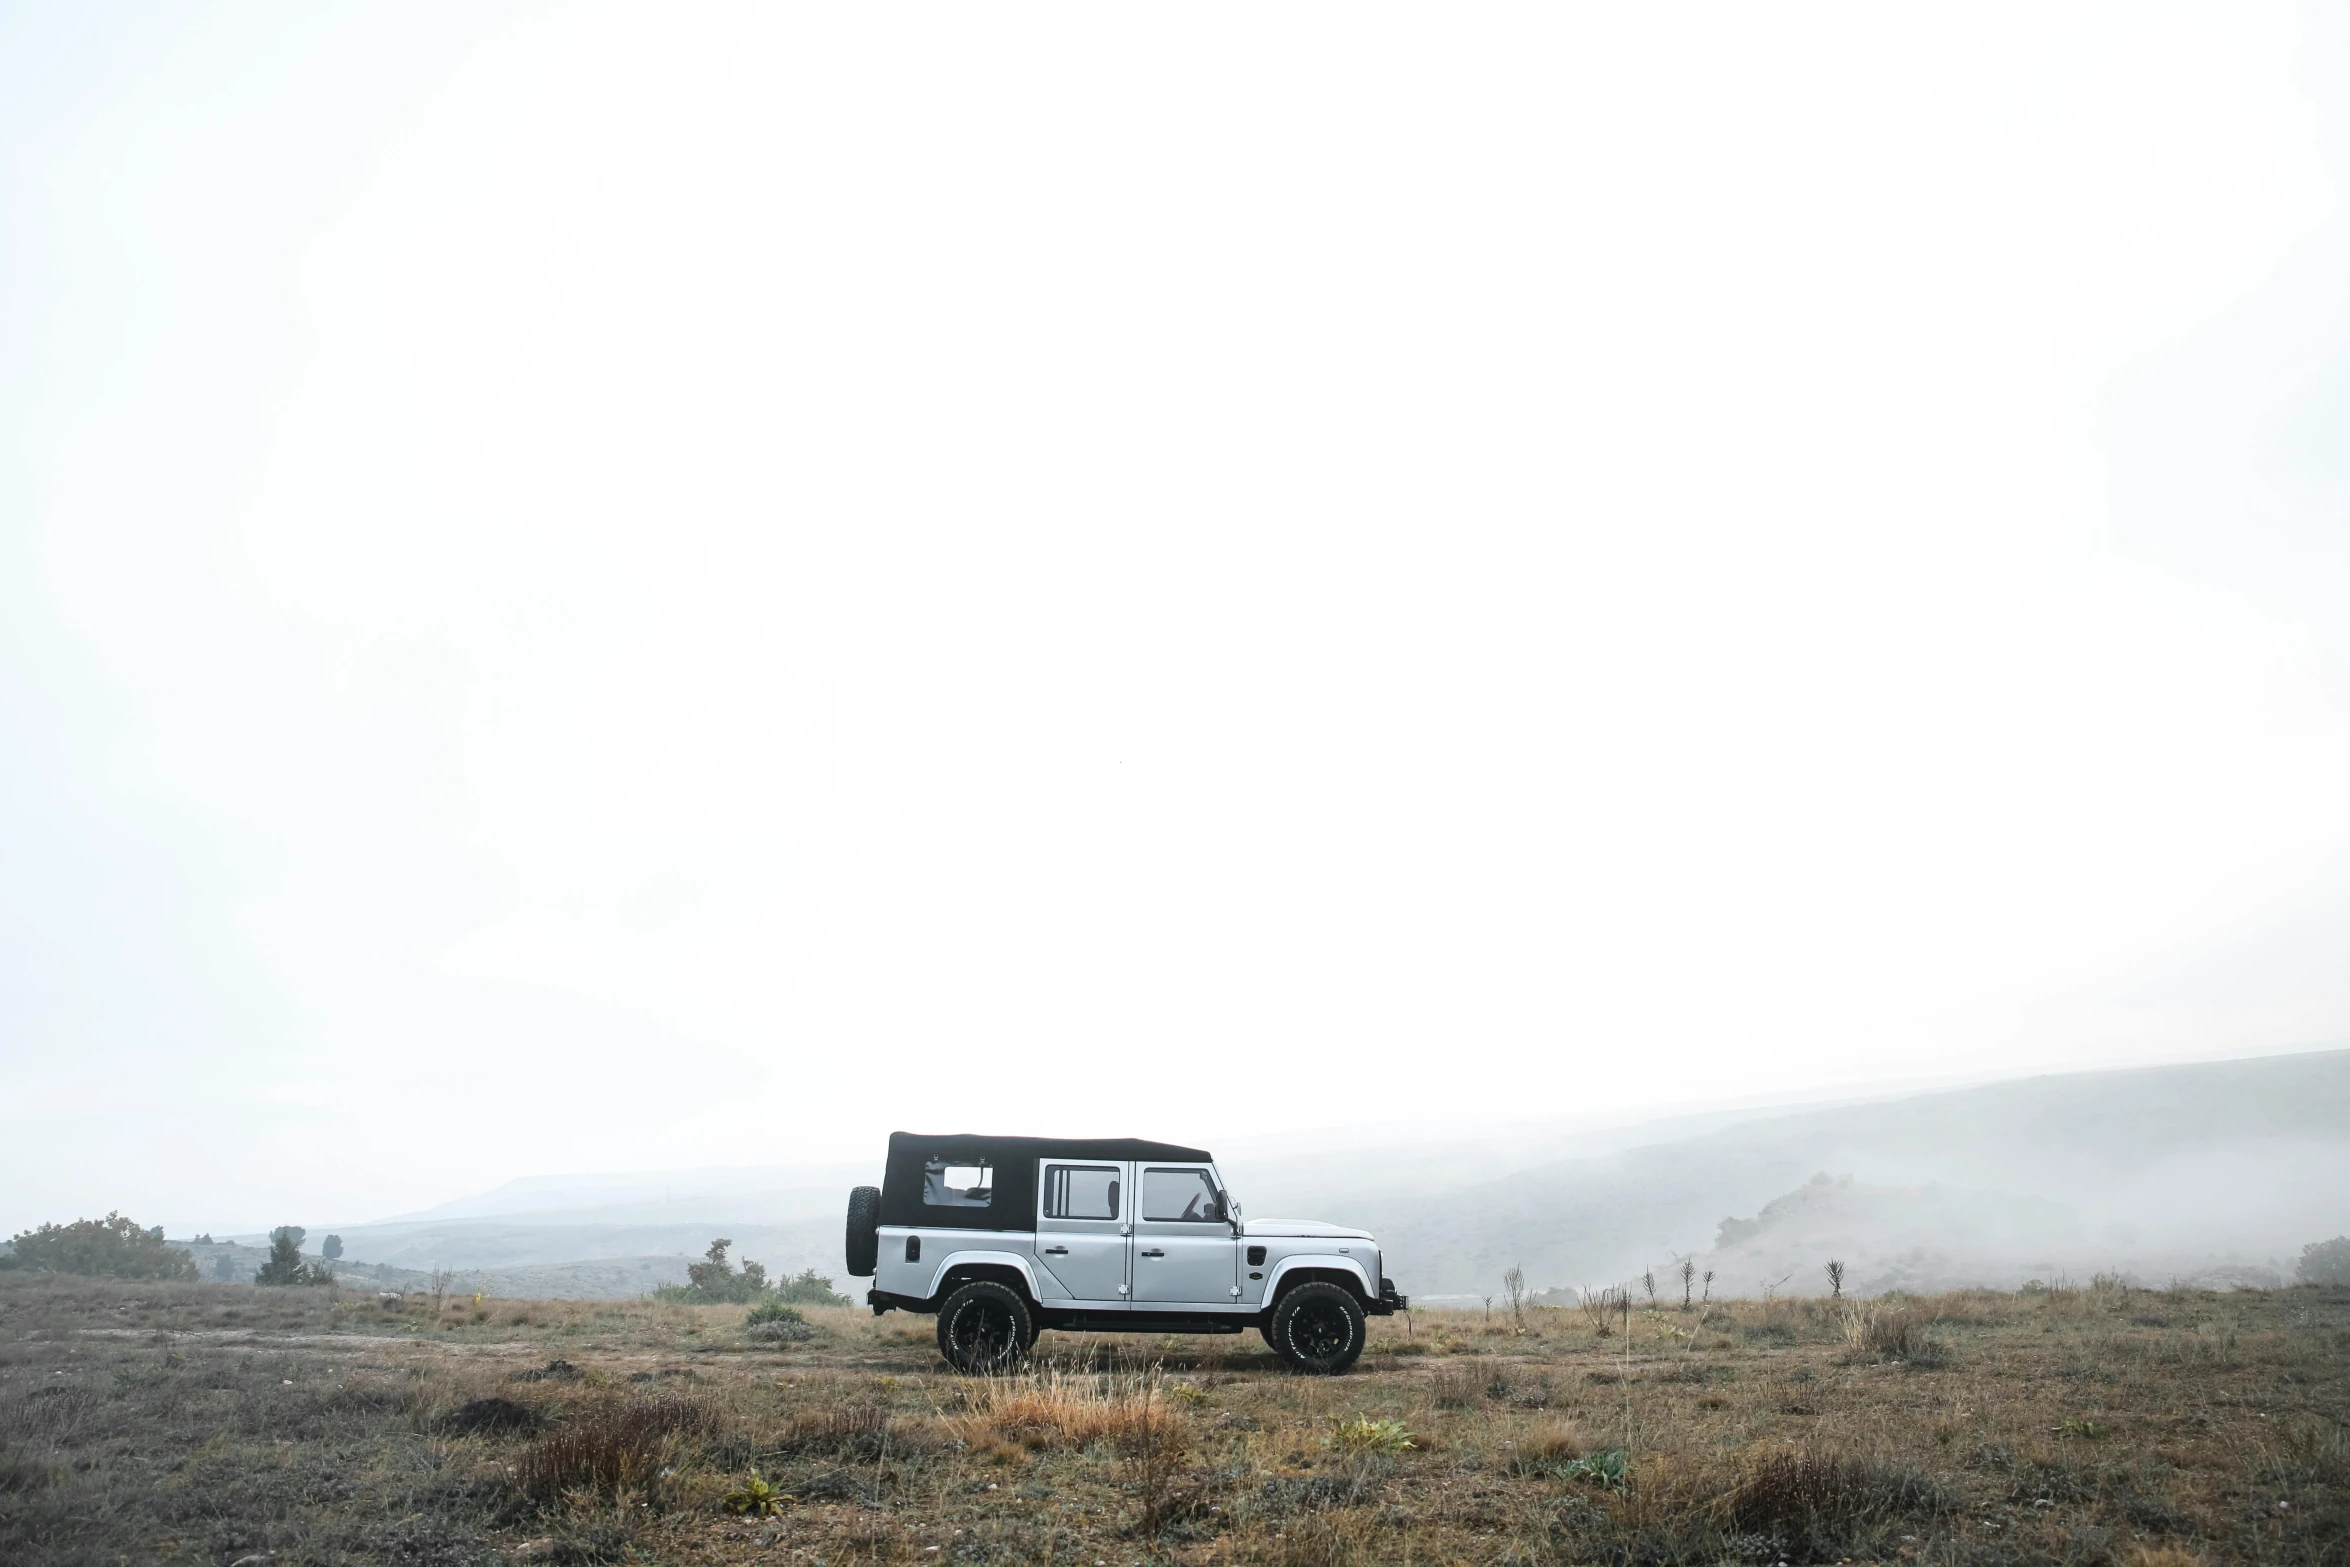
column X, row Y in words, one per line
column 1003, row 1237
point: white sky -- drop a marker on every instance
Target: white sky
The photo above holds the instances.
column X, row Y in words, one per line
column 604, row 587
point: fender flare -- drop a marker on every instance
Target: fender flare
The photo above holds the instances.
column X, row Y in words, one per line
column 1319, row 1264
column 993, row 1259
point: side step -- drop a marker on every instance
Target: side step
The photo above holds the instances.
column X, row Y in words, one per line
column 1140, row 1322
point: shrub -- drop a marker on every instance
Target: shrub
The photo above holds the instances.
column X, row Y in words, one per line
column 112, row 1247
column 713, row 1281
column 331, row 1248
column 772, row 1322
column 2325, row 1262
column 808, row 1289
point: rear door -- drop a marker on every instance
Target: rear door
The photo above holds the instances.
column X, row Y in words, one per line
column 1184, row 1249
column 1082, row 1227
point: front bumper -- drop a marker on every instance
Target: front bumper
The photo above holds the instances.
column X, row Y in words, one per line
column 1390, row 1302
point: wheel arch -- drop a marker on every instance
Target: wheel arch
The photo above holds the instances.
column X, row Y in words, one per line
column 1004, row 1267
column 1342, row 1271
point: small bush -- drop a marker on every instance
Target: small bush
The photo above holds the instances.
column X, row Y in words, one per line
column 713, row 1280
column 809, row 1289
column 772, row 1322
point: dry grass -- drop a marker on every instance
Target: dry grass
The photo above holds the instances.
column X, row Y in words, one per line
column 611, row 1446
column 207, row 1423
column 1055, row 1407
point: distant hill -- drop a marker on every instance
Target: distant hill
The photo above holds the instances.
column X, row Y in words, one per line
column 2157, row 1170
column 2221, row 1170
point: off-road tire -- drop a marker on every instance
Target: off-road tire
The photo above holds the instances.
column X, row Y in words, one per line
column 864, row 1231
column 985, row 1327
column 1318, row 1328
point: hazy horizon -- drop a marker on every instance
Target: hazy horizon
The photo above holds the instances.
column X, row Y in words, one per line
column 618, row 589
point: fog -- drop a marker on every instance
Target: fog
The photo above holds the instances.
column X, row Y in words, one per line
column 592, row 589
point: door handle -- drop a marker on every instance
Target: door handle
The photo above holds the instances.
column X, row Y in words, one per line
column 1056, row 1251
column 1154, row 1254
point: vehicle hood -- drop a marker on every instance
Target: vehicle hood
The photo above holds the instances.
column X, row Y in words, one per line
column 1302, row 1227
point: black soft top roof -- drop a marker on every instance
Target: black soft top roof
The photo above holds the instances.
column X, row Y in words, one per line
column 1013, row 1162
column 1043, row 1147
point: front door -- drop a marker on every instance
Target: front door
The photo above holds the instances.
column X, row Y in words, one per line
column 1081, row 1228
column 1184, row 1249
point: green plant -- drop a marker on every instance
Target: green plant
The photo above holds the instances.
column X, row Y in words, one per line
column 756, row 1499
column 1612, row 1469
column 113, row 1247
column 809, row 1288
column 331, row 1248
column 1362, row 1434
column 773, row 1322
column 285, row 1264
column 713, row 1281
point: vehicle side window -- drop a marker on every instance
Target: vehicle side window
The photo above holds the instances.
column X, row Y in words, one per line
column 946, row 1185
column 1180, row 1197
column 1080, row 1191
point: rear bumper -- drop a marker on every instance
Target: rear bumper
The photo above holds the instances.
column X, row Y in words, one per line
column 1390, row 1302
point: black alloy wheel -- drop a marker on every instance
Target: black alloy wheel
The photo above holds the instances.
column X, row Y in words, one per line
column 985, row 1327
column 1318, row 1328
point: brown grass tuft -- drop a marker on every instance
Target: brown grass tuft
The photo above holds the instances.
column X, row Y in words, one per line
column 610, row 1446
column 1056, row 1408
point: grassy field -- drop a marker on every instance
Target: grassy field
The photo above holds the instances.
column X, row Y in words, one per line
column 223, row 1424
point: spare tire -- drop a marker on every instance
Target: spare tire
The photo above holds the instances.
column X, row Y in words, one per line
column 864, row 1231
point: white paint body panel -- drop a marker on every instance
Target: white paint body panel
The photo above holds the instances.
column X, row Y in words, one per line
column 1221, row 1281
